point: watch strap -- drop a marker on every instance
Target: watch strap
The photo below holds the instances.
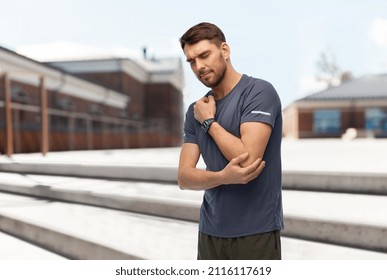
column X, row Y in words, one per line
column 207, row 123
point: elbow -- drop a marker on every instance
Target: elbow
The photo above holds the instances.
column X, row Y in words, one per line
column 185, row 180
column 251, row 159
column 180, row 184
column 180, row 180
column 183, row 186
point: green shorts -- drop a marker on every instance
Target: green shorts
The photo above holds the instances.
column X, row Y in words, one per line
column 264, row 246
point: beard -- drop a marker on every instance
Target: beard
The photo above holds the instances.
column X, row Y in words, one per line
column 213, row 77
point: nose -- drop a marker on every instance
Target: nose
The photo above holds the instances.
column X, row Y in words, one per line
column 199, row 66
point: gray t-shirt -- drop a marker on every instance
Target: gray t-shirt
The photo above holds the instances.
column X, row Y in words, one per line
column 240, row 210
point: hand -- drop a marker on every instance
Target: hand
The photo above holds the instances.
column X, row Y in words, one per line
column 204, row 108
column 234, row 173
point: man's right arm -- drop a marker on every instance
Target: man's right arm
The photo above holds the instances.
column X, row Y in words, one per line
column 192, row 178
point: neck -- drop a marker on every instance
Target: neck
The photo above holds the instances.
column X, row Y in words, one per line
column 230, row 80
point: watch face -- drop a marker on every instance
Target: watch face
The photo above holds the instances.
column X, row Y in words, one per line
column 206, row 124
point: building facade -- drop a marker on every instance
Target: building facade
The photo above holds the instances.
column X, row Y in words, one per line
column 359, row 106
column 90, row 104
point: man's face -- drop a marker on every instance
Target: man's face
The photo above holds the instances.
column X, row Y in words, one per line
column 207, row 61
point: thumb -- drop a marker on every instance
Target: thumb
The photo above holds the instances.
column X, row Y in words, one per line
column 240, row 158
column 211, row 98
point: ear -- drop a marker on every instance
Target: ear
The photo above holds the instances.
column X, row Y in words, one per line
column 225, row 50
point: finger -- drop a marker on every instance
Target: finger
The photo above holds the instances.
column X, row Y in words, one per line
column 252, row 167
column 199, row 101
column 256, row 172
column 261, row 166
column 211, row 98
column 240, row 158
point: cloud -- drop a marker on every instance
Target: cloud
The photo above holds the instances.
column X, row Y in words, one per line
column 309, row 84
column 62, row 50
column 378, row 32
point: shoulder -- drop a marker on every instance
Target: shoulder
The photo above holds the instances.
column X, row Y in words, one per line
column 259, row 88
column 259, row 84
column 190, row 107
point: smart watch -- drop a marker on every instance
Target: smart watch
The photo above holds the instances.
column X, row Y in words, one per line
column 207, row 123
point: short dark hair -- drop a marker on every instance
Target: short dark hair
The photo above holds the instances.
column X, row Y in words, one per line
column 202, row 31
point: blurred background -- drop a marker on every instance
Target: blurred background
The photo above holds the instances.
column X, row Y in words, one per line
column 92, row 103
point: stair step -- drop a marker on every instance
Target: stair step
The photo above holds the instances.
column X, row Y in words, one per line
column 337, row 218
column 13, row 248
column 87, row 232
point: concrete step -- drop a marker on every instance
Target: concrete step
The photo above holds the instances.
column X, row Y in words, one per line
column 330, row 181
column 336, row 181
column 13, row 248
column 86, row 232
column 336, row 218
column 354, row 220
column 160, row 199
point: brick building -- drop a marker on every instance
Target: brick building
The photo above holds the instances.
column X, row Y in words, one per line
column 360, row 105
column 88, row 104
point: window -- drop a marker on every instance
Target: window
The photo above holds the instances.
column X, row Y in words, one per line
column 376, row 119
column 326, row 122
column 19, row 95
column 80, row 125
column 97, row 126
column 59, row 123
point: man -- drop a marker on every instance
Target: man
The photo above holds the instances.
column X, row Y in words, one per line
column 236, row 124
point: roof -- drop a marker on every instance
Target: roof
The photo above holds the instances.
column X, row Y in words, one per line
column 26, row 70
column 367, row 87
column 162, row 70
column 167, row 64
column 62, row 52
column 79, row 58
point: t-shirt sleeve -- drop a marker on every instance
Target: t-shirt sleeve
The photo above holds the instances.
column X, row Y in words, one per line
column 190, row 127
column 261, row 105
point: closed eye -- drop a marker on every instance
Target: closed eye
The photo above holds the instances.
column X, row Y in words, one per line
column 200, row 55
column 204, row 55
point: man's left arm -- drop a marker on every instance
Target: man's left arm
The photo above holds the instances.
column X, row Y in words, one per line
column 254, row 135
column 254, row 139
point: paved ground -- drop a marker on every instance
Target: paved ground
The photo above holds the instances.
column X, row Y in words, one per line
column 360, row 155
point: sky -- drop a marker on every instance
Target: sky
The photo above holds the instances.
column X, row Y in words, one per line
column 278, row 41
